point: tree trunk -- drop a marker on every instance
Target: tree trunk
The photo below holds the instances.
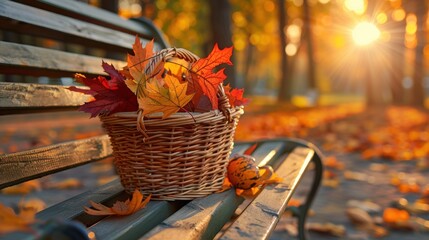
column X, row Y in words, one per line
column 110, row 5
column 310, row 51
column 397, row 62
column 284, row 90
column 374, row 90
column 418, row 90
column 220, row 23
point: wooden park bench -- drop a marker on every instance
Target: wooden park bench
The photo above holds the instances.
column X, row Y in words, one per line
column 83, row 32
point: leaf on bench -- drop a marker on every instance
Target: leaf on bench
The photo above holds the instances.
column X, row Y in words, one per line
column 120, row 208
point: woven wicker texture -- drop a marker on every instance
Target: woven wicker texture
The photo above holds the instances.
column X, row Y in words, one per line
column 179, row 158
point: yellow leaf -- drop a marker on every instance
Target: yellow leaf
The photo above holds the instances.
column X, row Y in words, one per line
column 119, row 208
column 34, row 204
column 167, row 99
column 11, row 222
column 23, row 188
column 137, row 64
column 65, row 184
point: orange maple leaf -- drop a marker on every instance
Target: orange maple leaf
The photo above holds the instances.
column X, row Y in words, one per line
column 205, row 80
column 11, row 222
column 167, row 99
column 119, row 208
column 136, row 66
column 274, row 178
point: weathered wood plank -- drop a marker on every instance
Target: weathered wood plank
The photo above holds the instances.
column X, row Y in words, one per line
column 22, row 166
column 16, row 57
column 202, row 218
column 88, row 13
column 137, row 224
column 261, row 216
column 25, row 19
column 73, row 207
column 21, row 95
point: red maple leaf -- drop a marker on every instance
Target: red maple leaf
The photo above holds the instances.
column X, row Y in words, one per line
column 110, row 96
column 204, row 79
column 235, row 96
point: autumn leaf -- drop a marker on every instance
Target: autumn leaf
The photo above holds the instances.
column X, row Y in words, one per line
column 395, row 215
column 33, row 204
column 137, row 64
column 119, row 208
column 11, row 222
column 204, row 79
column 167, row 99
column 110, row 96
column 64, row 184
column 235, row 96
column 23, row 188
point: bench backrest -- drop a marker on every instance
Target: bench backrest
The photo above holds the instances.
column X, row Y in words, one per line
column 53, row 40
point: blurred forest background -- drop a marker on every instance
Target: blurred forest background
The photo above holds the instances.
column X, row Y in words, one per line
column 305, row 52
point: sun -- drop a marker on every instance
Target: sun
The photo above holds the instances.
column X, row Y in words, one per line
column 365, row 33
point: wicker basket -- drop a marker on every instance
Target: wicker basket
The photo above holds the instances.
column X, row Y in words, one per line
column 181, row 157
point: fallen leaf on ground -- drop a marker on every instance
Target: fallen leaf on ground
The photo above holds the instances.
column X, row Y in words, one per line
column 23, row 188
column 11, row 222
column 107, row 179
column 332, row 162
column 327, row 228
column 360, row 217
column 393, row 215
column 119, row 208
column 64, row 184
column 33, row 204
column 367, row 206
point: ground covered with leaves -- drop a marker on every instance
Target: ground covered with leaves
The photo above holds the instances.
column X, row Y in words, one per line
column 375, row 167
column 376, row 161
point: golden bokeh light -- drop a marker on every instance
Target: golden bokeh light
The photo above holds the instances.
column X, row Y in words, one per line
column 294, row 33
column 291, row 49
column 324, row 1
column 239, row 19
column 381, row 18
column 398, row 14
column 411, row 28
column 269, row 6
column 365, row 33
column 356, row 6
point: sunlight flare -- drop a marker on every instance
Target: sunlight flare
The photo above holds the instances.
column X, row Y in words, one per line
column 365, row 33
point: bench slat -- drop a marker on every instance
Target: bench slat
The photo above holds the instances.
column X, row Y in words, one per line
column 24, row 19
column 29, row 60
column 72, row 207
column 261, row 216
column 202, row 218
column 21, row 95
column 137, row 224
column 46, row 160
column 88, row 13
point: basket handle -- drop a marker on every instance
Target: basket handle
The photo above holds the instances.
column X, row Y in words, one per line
column 169, row 53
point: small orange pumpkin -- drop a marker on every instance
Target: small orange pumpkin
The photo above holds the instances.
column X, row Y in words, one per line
column 244, row 173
